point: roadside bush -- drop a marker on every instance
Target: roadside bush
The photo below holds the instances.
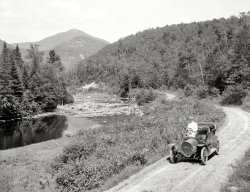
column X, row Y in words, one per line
column 246, row 102
column 97, row 156
column 240, row 179
column 214, row 92
column 144, row 96
column 188, row 90
column 201, row 92
column 233, row 95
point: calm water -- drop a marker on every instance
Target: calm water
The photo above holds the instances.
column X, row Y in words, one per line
column 28, row 131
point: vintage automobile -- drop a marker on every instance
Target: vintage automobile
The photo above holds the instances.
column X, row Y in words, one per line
column 199, row 147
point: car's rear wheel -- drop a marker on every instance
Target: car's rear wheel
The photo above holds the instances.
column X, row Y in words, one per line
column 204, row 155
column 173, row 157
column 217, row 150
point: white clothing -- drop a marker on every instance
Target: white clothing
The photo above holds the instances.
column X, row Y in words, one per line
column 194, row 127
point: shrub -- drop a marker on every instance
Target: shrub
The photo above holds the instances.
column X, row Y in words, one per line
column 144, row 96
column 246, row 102
column 201, row 92
column 163, row 87
column 233, row 95
column 240, row 179
column 214, row 92
column 124, row 86
column 188, row 90
column 68, row 98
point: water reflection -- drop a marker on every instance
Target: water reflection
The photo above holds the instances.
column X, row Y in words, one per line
column 28, row 131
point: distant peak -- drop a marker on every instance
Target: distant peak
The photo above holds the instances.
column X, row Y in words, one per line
column 74, row 30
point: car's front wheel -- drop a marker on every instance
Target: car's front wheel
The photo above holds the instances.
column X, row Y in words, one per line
column 204, row 155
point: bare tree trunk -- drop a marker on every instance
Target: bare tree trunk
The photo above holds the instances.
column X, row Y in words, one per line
column 203, row 62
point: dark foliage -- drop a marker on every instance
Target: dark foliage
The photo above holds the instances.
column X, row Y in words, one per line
column 144, row 96
column 30, row 88
column 234, row 95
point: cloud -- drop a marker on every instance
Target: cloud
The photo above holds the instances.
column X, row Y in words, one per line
column 8, row 15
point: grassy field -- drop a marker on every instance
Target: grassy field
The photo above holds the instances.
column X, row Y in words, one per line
column 99, row 159
column 28, row 168
column 240, row 179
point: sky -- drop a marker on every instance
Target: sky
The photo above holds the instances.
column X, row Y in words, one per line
column 33, row 20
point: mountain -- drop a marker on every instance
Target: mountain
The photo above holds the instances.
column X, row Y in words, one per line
column 79, row 47
column 72, row 46
column 1, row 44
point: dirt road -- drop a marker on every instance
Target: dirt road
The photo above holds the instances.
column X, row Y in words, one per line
column 190, row 176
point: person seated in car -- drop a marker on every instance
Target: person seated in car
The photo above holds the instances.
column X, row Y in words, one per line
column 192, row 128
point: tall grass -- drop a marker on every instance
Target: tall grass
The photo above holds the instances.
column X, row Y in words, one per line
column 240, row 179
column 100, row 158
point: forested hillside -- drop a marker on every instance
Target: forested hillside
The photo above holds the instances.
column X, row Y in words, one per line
column 211, row 55
column 32, row 87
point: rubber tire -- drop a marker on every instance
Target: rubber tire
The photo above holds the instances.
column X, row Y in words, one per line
column 172, row 156
column 217, row 151
column 204, row 156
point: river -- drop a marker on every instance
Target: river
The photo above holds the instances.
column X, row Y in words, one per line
column 27, row 131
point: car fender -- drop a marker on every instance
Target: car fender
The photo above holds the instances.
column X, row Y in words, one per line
column 200, row 146
column 173, row 146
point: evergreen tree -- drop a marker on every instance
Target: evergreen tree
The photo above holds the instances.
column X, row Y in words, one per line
column 25, row 76
column 18, row 58
column 36, row 59
column 16, row 84
column 5, row 76
column 55, row 60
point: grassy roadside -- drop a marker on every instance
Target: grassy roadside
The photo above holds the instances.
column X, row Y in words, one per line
column 240, row 179
column 99, row 159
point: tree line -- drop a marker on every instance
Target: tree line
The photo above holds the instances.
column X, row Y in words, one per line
column 32, row 86
column 213, row 56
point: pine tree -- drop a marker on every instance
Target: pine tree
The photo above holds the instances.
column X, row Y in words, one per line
column 16, row 84
column 55, row 60
column 25, row 77
column 18, row 58
column 10, row 104
column 36, row 59
column 5, row 76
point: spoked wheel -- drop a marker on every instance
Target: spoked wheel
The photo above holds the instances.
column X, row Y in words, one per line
column 204, row 155
column 173, row 157
column 217, row 150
